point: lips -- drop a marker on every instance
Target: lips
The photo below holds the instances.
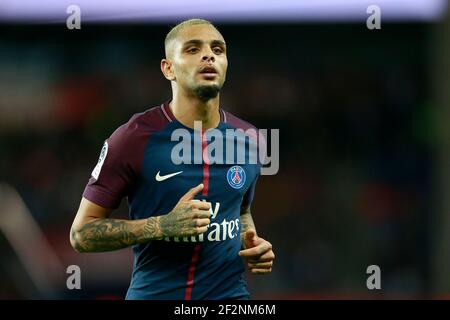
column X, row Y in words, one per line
column 208, row 70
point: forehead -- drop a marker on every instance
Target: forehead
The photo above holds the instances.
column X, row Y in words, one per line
column 204, row 32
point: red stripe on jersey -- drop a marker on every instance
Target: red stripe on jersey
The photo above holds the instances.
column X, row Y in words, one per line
column 196, row 254
column 205, row 165
column 190, row 281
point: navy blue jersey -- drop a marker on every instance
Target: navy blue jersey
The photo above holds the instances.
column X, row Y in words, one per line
column 137, row 162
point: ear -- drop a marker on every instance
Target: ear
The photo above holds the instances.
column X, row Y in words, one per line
column 166, row 68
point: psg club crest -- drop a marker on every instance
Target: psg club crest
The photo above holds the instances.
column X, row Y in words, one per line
column 236, row 177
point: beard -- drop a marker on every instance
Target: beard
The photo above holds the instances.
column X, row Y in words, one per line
column 206, row 93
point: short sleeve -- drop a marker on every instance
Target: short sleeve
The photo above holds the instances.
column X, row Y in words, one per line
column 114, row 173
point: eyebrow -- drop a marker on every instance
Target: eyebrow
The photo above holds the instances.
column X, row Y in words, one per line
column 200, row 42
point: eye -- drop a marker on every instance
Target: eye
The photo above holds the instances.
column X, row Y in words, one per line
column 218, row 50
column 192, row 50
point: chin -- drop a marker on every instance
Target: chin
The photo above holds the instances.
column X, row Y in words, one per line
column 207, row 92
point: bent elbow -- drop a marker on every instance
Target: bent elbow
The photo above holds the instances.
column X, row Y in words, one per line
column 75, row 241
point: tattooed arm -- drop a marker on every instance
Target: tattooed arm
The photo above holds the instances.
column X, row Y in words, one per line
column 93, row 231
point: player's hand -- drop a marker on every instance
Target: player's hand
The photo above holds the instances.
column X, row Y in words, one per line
column 258, row 253
column 189, row 217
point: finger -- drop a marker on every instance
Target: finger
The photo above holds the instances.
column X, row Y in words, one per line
column 258, row 259
column 260, row 265
column 200, row 230
column 201, row 214
column 261, row 271
column 201, row 205
column 201, row 222
column 251, row 239
column 259, row 250
column 268, row 256
column 192, row 192
column 250, row 236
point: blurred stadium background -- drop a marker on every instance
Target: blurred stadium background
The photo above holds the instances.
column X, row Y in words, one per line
column 364, row 128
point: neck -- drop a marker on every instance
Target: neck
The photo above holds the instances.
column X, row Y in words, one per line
column 189, row 108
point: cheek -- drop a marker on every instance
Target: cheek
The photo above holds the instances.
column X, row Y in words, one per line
column 186, row 70
column 225, row 66
column 181, row 72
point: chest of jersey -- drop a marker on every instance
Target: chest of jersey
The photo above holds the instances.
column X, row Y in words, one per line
column 173, row 164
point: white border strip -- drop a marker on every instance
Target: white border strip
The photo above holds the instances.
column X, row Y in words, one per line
column 221, row 11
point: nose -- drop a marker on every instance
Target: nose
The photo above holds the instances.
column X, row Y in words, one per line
column 208, row 55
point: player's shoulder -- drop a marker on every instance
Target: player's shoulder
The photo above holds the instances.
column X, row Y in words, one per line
column 236, row 122
column 150, row 119
column 250, row 130
column 142, row 123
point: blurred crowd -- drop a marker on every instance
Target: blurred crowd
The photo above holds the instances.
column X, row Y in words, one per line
column 356, row 157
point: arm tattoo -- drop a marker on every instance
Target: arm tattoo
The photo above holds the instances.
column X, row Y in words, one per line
column 112, row 234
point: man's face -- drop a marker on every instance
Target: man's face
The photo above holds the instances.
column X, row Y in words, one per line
column 199, row 60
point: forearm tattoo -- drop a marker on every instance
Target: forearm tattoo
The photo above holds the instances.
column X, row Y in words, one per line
column 112, row 234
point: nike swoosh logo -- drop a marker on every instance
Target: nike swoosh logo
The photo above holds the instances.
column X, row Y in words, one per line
column 167, row 176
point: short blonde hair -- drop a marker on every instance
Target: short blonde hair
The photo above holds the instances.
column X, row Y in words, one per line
column 173, row 33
